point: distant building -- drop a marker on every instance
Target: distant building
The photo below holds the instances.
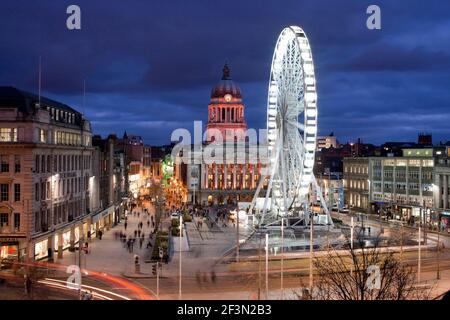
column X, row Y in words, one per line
column 109, row 167
column 356, row 184
column 400, row 187
column 133, row 148
column 326, row 142
column 225, row 180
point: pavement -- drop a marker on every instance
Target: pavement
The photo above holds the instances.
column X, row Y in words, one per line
column 207, row 245
column 109, row 255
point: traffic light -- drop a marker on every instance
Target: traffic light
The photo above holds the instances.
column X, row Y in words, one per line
column 154, row 269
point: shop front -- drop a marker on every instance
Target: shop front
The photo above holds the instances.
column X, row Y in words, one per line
column 95, row 225
column 41, row 249
column 65, row 241
column 444, row 218
column 9, row 251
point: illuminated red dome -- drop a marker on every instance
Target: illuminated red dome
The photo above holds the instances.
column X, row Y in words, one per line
column 226, row 86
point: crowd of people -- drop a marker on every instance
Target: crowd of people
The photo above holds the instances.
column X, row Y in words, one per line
column 143, row 234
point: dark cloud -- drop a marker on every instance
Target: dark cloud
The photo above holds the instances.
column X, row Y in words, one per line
column 387, row 57
column 149, row 65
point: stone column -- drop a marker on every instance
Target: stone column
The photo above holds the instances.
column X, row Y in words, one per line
column 244, row 170
column 445, row 185
column 72, row 238
column 60, row 245
column 88, row 227
column 437, row 191
column 215, row 176
column 234, row 176
column 225, row 175
column 51, row 247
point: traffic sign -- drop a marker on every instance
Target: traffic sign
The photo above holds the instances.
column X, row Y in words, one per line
column 161, row 252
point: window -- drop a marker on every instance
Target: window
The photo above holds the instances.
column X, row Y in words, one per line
column 49, row 161
column 42, row 136
column 42, row 191
column 17, row 221
column 43, row 164
column 8, row 134
column 37, row 224
column 414, row 186
column 4, row 192
column 36, row 163
column 36, row 191
column 48, row 189
column 4, row 165
column 414, row 175
column 17, row 164
column 16, row 192
column 4, row 220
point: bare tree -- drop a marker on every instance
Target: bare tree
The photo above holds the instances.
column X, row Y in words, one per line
column 363, row 273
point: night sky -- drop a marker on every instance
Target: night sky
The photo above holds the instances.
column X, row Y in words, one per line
column 150, row 65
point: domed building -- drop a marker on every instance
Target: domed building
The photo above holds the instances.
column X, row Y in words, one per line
column 224, row 178
column 226, row 120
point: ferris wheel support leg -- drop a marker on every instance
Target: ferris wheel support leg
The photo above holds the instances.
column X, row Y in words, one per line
column 258, row 190
column 283, row 166
column 322, row 201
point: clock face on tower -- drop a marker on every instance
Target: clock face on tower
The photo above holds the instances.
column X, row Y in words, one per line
column 228, row 97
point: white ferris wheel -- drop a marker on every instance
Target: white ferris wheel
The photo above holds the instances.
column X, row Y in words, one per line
column 291, row 126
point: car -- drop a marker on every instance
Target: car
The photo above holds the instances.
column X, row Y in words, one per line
column 344, row 210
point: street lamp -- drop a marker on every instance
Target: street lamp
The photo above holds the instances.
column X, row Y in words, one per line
column 282, row 256
column 180, row 236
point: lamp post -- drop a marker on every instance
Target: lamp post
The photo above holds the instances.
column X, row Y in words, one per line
column 180, row 236
column 237, row 237
column 267, row 266
column 282, row 257
column 311, row 252
column 438, row 274
column 419, row 262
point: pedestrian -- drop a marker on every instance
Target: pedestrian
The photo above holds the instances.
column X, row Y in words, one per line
column 213, row 276
column 139, row 233
column 135, row 233
column 100, row 234
column 148, row 223
column 126, row 224
column 140, row 243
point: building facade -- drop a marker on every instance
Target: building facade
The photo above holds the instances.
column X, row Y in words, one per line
column 356, row 184
column 47, row 186
column 407, row 188
column 232, row 171
column 109, row 168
